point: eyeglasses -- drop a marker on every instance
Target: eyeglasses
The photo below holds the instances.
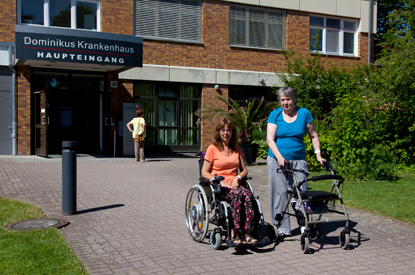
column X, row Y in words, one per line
column 225, row 130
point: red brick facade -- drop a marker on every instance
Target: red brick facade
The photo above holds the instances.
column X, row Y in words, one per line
column 117, row 16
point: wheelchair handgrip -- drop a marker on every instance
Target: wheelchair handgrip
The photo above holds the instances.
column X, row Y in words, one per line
column 328, row 177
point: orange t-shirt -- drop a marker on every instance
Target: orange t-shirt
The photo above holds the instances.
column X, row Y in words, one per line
column 223, row 165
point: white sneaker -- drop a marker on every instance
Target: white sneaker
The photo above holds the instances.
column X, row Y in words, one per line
column 302, row 229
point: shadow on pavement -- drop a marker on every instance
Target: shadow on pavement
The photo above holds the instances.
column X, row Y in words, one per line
column 99, row 208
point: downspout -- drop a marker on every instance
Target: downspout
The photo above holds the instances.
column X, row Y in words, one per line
column 14, row 117
column 369, row 32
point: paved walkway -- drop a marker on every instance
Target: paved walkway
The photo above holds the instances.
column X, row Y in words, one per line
column 131, row 221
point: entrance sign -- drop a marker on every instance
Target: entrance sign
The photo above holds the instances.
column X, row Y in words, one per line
column 79, row 46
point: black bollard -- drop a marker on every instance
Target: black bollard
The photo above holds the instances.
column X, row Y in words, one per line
column 68, row 177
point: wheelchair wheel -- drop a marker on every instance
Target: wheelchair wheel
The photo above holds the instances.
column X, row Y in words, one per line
column 215, row 240
column 196, row 212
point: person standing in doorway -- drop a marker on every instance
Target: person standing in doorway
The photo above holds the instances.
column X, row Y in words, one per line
column 138, row 132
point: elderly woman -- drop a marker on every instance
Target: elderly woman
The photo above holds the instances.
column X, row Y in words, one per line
column 224, row 158
column 286, row 129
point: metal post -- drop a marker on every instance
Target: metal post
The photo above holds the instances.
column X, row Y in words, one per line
column 68, row 177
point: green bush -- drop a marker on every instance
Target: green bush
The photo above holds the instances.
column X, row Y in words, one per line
column 357, row 153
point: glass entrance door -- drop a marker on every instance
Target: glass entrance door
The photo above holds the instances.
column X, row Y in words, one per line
column 69, row 108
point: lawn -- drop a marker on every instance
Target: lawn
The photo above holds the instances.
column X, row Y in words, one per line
column 41, row 251
column 392, row 199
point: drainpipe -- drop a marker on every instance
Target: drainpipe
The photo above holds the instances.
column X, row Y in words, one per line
column 14, row 117
column 369, row 32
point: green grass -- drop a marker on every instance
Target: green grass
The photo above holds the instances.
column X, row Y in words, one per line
column 42, row 251
column 392, row 199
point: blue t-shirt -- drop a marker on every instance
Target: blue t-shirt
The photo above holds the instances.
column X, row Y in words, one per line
column 290, row 136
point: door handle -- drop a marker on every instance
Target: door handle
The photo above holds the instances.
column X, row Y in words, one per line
column 106, row 121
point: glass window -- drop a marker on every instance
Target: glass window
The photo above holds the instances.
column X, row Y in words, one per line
column 82, row 14
column 332, row 41
column 348, row 42
column 349, row 25
column 334, row 36
column 333, row 23
column 169, row 112
column 256, row 27
column 86, row 15
column 32, row 12
column 60, row 13
column 178, row 20
column 316, row 40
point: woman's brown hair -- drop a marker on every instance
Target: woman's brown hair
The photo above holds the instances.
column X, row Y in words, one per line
column 217, row 141
column 139, row 113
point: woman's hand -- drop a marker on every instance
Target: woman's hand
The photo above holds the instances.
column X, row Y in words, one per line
column 224, row 184
column 280, row 160
column 235, row 183
column 320, row 159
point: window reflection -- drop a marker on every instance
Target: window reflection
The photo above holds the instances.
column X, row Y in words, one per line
column 60, row 13
column 32, row 12
column 86, row 15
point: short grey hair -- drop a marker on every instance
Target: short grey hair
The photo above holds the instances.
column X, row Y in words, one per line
column 289, row 92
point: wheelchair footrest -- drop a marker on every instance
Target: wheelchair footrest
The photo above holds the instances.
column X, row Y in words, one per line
column 318, row 195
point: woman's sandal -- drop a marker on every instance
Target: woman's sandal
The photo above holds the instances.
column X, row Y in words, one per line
column 236, row 240
column 248, row 239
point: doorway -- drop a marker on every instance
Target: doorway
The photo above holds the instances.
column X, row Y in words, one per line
column 69, row 106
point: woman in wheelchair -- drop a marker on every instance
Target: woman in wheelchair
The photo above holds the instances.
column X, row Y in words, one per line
column 224, row 158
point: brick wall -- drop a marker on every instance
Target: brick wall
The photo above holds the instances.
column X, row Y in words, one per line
column 23, row 111
column 8, row 20
column 215, row 51
column 117, row 16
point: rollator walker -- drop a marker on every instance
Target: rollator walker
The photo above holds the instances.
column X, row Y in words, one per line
column 313, row 205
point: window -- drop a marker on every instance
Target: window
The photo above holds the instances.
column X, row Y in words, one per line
column 256, row 27
column 333, row 36
column 169, row 112
column 177, row 20
column 73, row 14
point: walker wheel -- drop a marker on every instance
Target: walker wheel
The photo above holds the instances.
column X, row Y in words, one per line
column 305, row 243
column 344, row 239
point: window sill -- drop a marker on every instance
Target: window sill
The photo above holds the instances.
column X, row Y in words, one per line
column 256, row 48
column 335, row 55
column 160, row 39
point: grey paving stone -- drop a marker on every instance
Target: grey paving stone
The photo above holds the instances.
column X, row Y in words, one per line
column 130, row 220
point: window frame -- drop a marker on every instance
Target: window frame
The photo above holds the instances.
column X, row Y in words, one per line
column 46, row 14
column 266, row 21
column 342, row 30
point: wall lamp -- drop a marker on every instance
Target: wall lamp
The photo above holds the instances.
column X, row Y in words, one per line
column 217, row 88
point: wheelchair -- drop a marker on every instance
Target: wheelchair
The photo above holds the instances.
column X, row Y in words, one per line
column 205, row 206
column 312, row 206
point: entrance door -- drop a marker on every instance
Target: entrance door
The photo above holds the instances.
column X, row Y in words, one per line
column 41, row 124
column 69, row 109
